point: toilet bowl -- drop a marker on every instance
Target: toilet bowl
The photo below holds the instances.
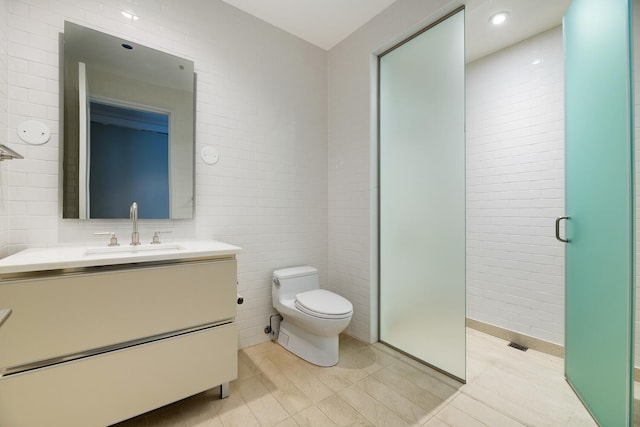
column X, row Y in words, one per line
column 312, row 317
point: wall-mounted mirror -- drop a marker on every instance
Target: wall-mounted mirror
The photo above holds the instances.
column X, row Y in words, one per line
column 128, row 128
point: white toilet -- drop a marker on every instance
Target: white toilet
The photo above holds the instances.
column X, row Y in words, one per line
column 313, row 317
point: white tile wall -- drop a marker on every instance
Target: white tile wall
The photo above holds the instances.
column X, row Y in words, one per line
column 352, row 154
column 515, row 177
column 4, row 92
column 261, row 101
column 515, row 187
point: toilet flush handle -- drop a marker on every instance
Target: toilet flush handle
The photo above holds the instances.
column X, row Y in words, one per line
column 276, row 281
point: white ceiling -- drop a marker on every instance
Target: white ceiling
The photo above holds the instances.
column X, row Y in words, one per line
column 526, row 18
column 323, row 23
column 326, row 23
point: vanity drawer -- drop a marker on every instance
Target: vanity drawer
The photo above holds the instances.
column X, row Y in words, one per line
column 65, row 315
column 102, row 390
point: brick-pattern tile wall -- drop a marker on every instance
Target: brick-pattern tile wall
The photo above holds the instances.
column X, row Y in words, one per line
column 515, row 187
column 261, row 101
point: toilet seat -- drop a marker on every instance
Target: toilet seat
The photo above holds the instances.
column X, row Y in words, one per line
column 324, row 304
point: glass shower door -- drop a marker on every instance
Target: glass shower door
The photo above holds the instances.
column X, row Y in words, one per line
column 422, row 197
column 599, row 204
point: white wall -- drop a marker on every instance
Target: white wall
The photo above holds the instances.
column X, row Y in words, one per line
column 4, row 74
column 515, row 187
column 352, row 154
column 261, row 101
column 515, row 272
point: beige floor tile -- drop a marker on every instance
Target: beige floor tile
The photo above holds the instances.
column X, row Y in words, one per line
column 426, row 379
column 417, row 366
column 404, row 387
column 246, row 368
column 308, row 384
column 234, row 412
column 268, row 411
column 581, row 420
column 456, row 418
column 341, row 413
column 213, row 422
column 636, row 404
column 529, row 370
column 353, row 374
column 254, row 355
column 282, row 389
column 333, row 377
column 262, row 403
column 282, row 357
column 312, row 417
column 250, row 388
column 442, row 378
column 435, row 422
column 370, row 408
column 522, row 401
column 387, row 396
column 271, row 375
column 375, row 385
column 292, row 400
column 365, row 358
column 482, row 412
column 289, row 422
column 175, row 414
column 200, row 410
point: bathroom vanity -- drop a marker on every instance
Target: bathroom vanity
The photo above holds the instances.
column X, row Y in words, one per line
column 93, row 336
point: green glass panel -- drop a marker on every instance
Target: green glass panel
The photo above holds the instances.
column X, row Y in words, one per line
column 422, row 197
column 599, row 268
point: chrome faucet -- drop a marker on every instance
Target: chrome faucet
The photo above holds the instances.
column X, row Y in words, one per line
column 133, row 214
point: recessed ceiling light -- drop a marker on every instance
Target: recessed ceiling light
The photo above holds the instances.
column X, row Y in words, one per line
column 499, row 18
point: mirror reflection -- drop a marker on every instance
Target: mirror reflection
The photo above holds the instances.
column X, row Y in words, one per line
column 128, row 128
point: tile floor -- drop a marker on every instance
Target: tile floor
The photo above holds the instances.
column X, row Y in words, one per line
column 373, row 385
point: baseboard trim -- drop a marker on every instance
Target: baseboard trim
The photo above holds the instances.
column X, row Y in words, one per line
column 522, row 339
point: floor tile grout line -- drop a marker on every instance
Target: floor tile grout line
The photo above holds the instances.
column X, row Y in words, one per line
column 387, row 406
column 337, row 394
column 445, row 404
column 492, row 408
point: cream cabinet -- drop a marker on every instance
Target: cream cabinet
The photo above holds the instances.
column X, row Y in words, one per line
column 97, row 345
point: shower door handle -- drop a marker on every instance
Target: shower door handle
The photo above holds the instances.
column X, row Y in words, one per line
column 558, row 229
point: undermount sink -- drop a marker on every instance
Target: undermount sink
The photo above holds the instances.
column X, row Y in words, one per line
column 134, row 249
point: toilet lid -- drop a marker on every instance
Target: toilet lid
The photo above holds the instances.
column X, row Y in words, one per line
column 323, row 303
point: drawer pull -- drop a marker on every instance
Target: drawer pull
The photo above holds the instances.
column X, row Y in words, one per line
column 4, row 314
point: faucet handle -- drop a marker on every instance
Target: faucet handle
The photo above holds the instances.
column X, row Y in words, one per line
column 156, row 237
column 113, row 241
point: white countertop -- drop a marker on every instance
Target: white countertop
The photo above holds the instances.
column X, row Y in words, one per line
column 61, row 257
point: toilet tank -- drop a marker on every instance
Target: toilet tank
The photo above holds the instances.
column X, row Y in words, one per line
column 288, row 282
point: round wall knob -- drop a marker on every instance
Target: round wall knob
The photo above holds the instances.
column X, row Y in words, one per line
column 33, row 132
column 209, row 155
